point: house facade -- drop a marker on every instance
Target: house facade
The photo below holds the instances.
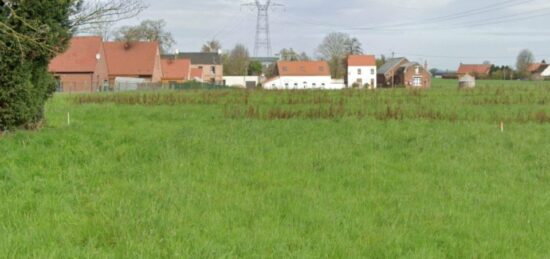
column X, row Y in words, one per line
column 175, row 70
column 210, row 64
column 537, row 69
column 479, row 71
column 362, row 71
column 401, row 72
column 133, row 60
column 546, row 73
column 301, row 75
column 83, row 67
column 241, row 81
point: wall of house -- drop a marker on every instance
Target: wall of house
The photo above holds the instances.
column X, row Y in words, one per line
column 240, row 81
column 367, row 75
column 207, row 75
column 168, row 81
column 301, row 82
column 76, row 82
column 157, row 71
column 101, row 73
column 546, row 72
column 413, row 72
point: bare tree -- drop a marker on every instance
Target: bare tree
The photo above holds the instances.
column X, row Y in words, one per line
column 335, row 48
column 211, row 46
column 237, row 62
column 354, row 47
column 524, row 60
column 85, row 16
column 148, row 30
column 88, row 14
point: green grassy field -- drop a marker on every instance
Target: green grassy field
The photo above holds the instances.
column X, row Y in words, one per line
column 230, row 173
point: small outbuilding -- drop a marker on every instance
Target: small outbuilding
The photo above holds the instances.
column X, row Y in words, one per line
column 466, row 81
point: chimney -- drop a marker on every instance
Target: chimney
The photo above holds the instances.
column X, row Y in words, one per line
column 426, row 65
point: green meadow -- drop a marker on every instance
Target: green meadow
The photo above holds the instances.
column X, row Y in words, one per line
column 391, row 173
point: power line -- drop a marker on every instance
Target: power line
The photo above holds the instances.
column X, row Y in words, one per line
column 428, row 21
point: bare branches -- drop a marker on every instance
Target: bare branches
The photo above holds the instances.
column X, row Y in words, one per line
column 93, row 13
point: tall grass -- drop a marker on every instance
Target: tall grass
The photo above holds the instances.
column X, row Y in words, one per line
column 303, row 174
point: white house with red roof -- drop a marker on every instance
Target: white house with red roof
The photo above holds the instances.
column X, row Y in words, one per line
column 301, row 75
column 362, row 71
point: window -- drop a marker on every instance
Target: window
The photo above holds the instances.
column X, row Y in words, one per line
column 417, row 81
column 286, row 85
column 323, row 84
column 295, row 84
column 359, row 71
column 372, row 71
column 314, row 84
column 213, row 69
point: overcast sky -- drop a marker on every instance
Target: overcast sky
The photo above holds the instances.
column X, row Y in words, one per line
column 442, row 32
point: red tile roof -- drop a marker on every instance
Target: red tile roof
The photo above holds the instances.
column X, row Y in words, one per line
column 131, row 59
column 537, row 67
column 179, row 69
column 474, row 69
column 79, row 57
column 361, row 60
column 303, row 68
column 196, row 73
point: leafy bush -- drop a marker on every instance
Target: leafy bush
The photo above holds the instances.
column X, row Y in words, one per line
column 38, row 30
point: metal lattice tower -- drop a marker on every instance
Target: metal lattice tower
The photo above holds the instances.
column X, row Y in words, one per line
column 263, row 37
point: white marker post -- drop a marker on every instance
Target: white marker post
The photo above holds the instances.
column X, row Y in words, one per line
column 502, row 126
column 68, row 119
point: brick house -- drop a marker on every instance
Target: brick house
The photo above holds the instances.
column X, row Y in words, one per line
column 176, row 70
column 210, row 63
column 402, row 72
column 480, row 71
column 83, row 67
column 133, row 60
column 361, row 71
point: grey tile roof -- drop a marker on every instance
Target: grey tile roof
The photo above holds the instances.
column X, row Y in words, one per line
column 265, row 59
column 389, row 65
column 199, row 58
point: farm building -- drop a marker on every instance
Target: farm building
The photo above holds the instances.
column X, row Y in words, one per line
column 361, row 71
column 466, row 81
column 546, row 73
column 241, row 81
column 175, row 70
column 133, row 60
column 210, row 63
column 83, row 67
column 537, row 69
column 302, row 75
column 480, row 71
column 402, row 72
